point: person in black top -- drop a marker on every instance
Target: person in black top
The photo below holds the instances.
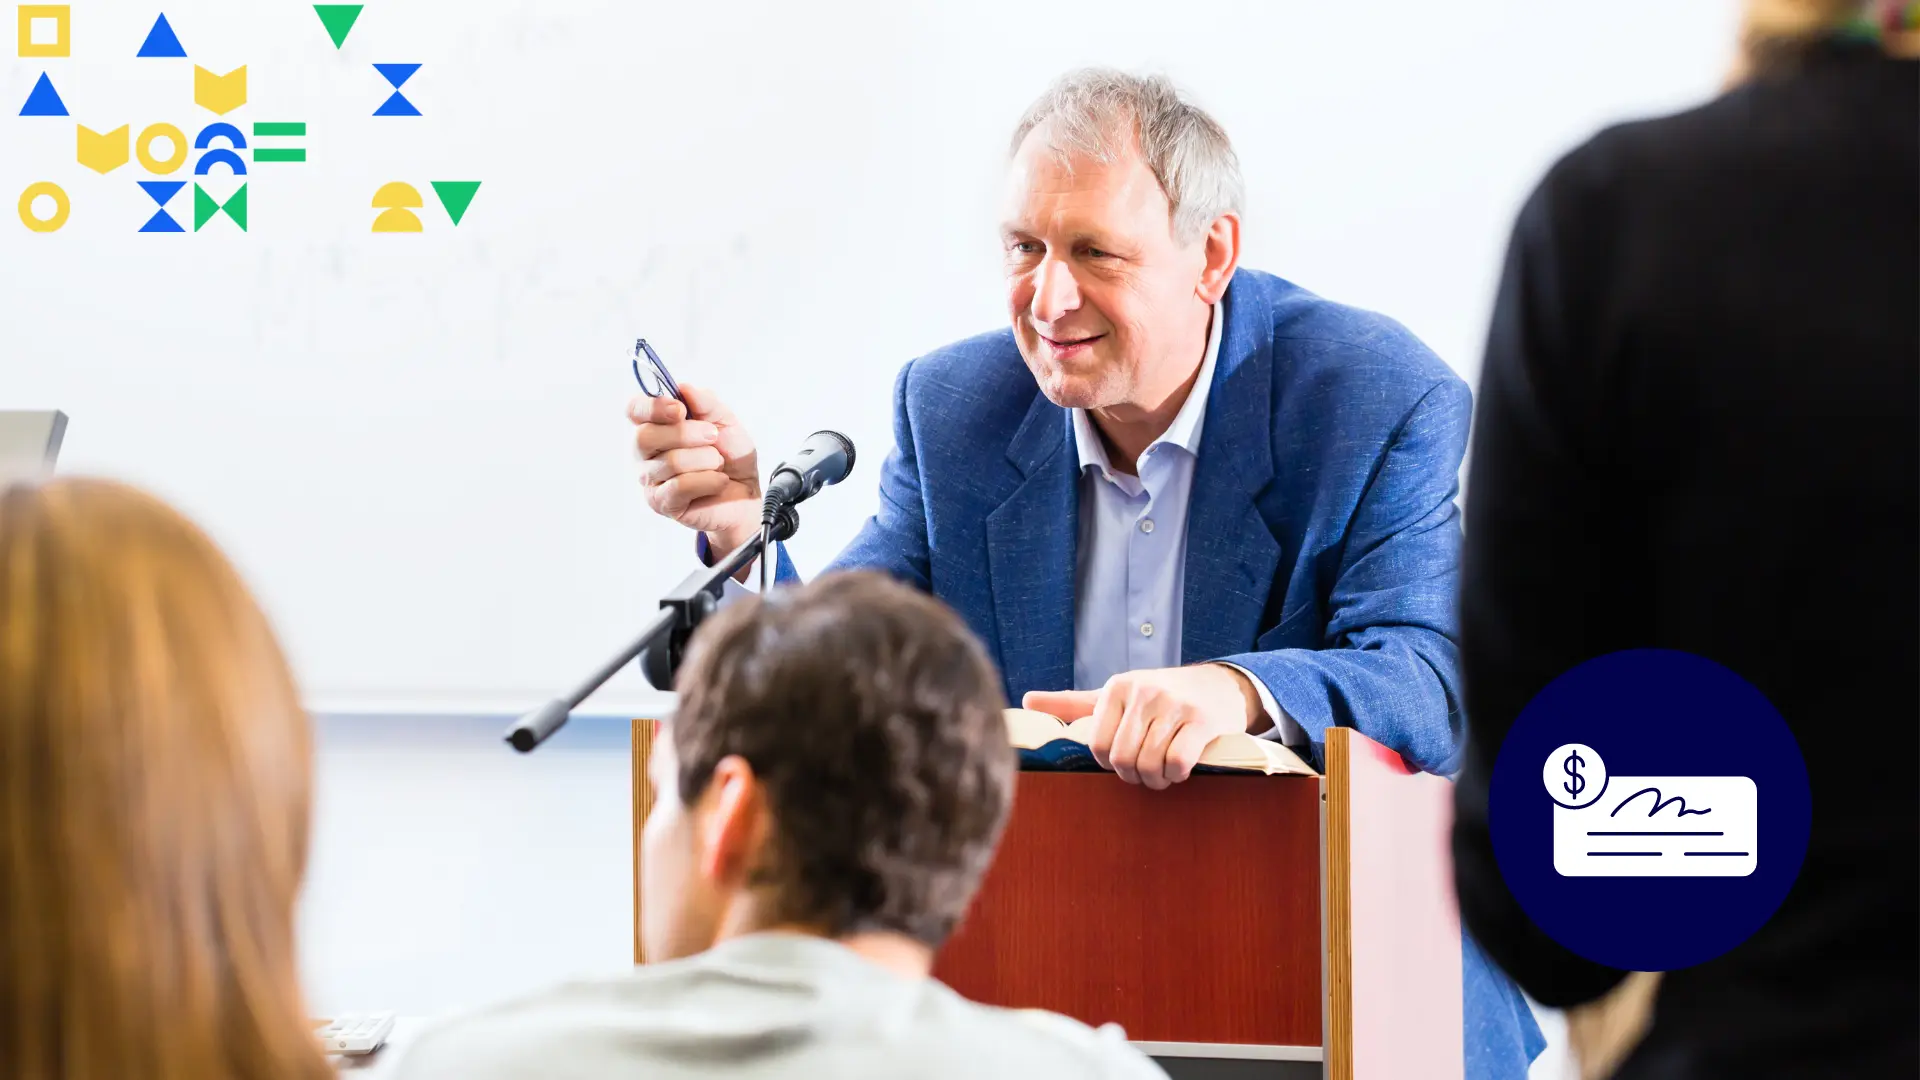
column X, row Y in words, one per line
column 1699, row 429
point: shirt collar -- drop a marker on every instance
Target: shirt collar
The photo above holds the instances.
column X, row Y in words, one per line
column 1184, row 432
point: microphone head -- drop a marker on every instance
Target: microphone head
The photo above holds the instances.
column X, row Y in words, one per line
column 828, row 443
column 825, row 458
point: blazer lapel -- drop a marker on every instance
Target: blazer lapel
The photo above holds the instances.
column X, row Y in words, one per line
column 1031, row 542
column 1231, row 553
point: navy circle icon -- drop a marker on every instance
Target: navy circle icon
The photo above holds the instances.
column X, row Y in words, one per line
column 1650, row 810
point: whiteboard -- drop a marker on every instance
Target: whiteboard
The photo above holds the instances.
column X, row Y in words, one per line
column 414, row 443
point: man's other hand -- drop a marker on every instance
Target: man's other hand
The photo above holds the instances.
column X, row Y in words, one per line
column 1150, row 727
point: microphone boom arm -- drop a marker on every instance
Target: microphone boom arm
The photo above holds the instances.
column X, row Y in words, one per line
column 662, row 644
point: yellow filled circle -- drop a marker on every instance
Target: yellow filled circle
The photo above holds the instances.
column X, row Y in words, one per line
column 61, row 207
column 143, row 147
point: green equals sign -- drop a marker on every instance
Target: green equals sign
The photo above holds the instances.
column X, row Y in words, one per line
column 278, row 153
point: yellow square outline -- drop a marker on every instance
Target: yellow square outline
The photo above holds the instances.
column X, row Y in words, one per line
column 62, row 16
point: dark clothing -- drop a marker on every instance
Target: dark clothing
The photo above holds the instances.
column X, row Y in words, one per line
column 1699, row 429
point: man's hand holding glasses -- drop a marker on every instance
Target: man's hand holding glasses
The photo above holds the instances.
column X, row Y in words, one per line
column 697, row 463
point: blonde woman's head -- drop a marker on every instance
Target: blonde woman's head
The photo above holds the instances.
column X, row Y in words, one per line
column 1774, row 33
column 155, row 777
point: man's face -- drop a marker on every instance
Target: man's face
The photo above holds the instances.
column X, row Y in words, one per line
column 1105, row 302
column 681, row 906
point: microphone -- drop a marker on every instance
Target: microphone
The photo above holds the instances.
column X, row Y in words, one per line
column 825, row 458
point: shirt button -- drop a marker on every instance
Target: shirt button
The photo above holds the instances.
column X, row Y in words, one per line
column 1146, row 525
column 1146, row 629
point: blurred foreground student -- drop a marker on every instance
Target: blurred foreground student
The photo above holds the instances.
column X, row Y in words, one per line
column 1699, row 429
column 155, row 770
column 828, row 796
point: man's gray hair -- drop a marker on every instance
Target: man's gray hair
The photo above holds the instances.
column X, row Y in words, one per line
column 1103, row 114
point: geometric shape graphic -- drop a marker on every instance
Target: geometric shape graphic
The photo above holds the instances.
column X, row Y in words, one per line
column 103, row 153
column 234, row 162
column 161, row 42
column 162, row 192
column 283, row 129
column 46, row 30
column 397, row 105
column 43, row 101
column 1649, row 860
column 220, row 130
column 61, row 207
column 204, row 208
column 399, row 201
column 236, row 165
column 338, row 19
column 220, row 94
column 456, row 196
column 143, row 148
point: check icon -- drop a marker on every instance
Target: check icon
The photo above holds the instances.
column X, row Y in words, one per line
column 1661, row 826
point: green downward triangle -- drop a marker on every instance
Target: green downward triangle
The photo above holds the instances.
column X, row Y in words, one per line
column 338, row 19
column 456, row 196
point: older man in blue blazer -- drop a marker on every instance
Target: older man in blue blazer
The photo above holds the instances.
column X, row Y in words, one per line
column 1178, row 496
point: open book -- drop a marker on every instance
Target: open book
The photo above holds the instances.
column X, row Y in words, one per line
column 1047, row 743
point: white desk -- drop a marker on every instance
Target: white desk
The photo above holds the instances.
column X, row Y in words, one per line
column 381, row 1061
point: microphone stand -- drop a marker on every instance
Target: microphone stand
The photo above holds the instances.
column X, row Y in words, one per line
column 662, row 645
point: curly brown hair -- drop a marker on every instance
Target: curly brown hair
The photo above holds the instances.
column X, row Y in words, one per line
column 876, row 723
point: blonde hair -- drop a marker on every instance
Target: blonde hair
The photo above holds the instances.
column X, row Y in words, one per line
column 155, row 778
column 1774, row 33
column 1602, row 1033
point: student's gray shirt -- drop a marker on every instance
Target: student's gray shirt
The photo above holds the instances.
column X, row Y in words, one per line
column 766, row 1005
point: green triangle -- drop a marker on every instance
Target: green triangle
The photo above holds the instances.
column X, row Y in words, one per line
column 236, row 208
column 338, row 19
column 456, row 196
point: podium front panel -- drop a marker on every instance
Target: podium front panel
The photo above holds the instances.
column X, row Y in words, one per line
column 1190, row 915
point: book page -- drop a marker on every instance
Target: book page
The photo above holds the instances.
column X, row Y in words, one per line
column 1258, row 755
column 1030, row 730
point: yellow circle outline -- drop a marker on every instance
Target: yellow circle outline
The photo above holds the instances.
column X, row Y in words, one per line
column 61, row 207
column 152, row 132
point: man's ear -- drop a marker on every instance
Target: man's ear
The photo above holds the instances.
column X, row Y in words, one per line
column 731, row 822
column 1222, row 248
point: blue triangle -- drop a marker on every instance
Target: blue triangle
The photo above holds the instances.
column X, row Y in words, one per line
column 162, row 222
column 397, row 106
column 161, row 190
column 43, row 101
column 397, row 74
column 162, row 42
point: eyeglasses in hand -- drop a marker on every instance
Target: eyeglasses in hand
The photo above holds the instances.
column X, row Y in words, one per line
column 651, row 373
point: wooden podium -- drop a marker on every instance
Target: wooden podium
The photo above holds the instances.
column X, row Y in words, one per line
column 1233, row 925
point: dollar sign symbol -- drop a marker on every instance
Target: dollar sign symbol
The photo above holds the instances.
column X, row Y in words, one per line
column 1578, row 783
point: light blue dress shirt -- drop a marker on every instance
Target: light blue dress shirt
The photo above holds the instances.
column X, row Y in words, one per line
column 1130, row 577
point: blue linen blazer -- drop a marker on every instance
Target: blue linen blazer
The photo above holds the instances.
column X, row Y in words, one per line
column 1323, row 542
